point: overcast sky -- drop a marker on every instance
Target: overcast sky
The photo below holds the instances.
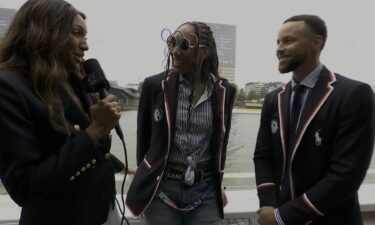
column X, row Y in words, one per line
column 124, row 35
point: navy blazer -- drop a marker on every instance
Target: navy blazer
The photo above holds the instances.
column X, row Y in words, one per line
column 330, row 156
column 54, row 178
column 156, row 117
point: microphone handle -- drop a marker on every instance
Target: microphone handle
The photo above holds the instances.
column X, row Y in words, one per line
column 119, row 131
column 104, row 93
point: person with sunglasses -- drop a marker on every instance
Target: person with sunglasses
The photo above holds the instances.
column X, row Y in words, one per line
column 183, row 125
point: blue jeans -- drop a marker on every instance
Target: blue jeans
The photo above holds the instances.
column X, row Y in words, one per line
column 207, row 213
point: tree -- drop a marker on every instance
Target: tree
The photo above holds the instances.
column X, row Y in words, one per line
column 252, row 95
column 241, row 96
column 263, row 93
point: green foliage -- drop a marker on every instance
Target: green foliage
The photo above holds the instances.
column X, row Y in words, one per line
column 252, row 95
column 263, row 93
column 241, row 96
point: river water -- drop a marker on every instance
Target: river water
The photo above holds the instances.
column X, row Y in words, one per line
column 239, row 170
column 240, row 147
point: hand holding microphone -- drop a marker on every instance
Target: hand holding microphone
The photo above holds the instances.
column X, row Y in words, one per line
column 105, row 114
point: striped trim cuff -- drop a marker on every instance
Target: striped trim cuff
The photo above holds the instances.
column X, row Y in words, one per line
column 147, row 164
column 311, row 206
column 278, row 217
column 265, row 185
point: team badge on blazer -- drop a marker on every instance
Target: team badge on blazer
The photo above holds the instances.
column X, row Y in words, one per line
column 318, row 138
column 158, row 115
column 274, row 126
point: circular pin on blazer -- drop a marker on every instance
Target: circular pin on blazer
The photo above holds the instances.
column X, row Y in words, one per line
column 274, row 126
column 158, row 115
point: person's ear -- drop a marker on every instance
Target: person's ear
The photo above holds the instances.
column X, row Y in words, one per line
column 318, row 42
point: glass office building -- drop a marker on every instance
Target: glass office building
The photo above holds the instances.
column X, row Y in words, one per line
column 225, row 37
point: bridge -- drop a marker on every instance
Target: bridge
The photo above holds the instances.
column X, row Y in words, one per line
column 126, row 98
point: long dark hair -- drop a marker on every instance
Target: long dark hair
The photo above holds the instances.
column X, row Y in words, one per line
column 33, row 45
column 205, row 37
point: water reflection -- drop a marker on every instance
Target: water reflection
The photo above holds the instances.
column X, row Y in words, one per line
column 239, row 170
column 240, row 147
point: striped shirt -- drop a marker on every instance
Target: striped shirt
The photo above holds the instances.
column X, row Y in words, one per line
column 193, row 129
column 309, row 83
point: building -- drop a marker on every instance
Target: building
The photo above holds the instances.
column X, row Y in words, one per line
column 125, row 97
column 258, row 86
column 254, row 86
column 270, row 86
column 132, row 86
column 6, row 16
column 128, row 98
column 113, row 83
column 225, row 38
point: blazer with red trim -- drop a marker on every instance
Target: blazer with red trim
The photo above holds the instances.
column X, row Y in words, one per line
column 331, row 153
column 56, row 179
column 155, row 127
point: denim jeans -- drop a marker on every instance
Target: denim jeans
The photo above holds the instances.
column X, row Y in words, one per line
column 207, row 213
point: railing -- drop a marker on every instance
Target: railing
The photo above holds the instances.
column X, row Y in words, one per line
column 237, row 221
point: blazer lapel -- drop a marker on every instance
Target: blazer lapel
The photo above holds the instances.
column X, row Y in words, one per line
column 284, row 116
column 73, row 113
column 315, row 99
column 218, row 112
column 170, row 89
column 215, row 101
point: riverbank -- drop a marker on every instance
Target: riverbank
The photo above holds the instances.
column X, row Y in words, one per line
column 247, row 110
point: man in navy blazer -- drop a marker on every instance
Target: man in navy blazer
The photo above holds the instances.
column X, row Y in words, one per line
column 311, row 174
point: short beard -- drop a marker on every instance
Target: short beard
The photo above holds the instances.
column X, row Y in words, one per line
column 290, row 67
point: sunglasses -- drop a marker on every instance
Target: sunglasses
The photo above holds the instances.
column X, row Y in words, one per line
column 183, row 43
column 179, row 39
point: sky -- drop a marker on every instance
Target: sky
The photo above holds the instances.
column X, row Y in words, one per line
column 124, row 35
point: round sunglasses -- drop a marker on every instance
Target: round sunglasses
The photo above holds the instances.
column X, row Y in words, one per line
column 180, row 40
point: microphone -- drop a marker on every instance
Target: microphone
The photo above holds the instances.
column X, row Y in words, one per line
column 96, row 82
